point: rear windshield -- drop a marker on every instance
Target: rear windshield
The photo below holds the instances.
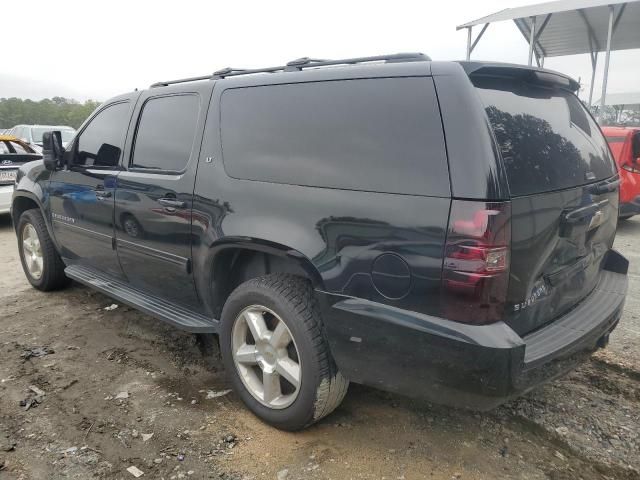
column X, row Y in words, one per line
column 547, row 138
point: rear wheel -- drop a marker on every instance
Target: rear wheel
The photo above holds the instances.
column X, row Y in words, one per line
column 275, row 352
column 131, row 226
column 41, row 263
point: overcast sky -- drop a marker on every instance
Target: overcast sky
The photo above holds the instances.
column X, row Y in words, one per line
column 97, row 49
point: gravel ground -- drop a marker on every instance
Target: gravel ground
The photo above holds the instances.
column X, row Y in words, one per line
column 123, row 390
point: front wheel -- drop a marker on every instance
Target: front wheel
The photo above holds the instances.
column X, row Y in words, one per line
column 40, row 260
column 275, row 352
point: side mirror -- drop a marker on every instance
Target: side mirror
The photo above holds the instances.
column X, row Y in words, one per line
column 52, row 150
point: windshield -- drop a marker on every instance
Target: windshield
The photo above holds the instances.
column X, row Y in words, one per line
column 547, row 138
column 37, row 132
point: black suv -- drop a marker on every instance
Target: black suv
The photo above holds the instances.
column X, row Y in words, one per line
column 438, row 229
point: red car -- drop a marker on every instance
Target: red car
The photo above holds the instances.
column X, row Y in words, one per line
column 625, row 145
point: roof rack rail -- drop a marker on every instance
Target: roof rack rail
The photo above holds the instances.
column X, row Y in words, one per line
column 299, row 64
column 181, row 80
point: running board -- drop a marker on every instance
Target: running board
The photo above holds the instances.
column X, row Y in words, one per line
column 176, row 315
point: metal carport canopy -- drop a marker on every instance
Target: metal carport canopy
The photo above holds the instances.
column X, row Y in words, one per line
column 571, row 27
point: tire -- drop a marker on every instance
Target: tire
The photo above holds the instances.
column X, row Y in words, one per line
column 52, row 275
column 321, row 386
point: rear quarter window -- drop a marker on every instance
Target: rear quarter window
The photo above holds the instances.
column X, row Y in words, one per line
column 547, row 139
column 382, row 135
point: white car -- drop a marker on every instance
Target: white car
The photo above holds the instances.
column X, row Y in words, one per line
column 32, row 134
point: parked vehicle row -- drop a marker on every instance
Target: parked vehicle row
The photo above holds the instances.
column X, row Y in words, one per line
column 32, row 134
column 437, row 229
column 13, row 153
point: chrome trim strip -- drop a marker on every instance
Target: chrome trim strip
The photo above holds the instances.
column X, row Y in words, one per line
column 154, row 253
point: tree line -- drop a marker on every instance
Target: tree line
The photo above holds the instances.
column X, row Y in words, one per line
column 49, row 111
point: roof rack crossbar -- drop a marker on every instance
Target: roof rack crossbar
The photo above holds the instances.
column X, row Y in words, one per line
column 299, row 64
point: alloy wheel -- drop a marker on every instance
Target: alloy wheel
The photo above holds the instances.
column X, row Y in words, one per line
column 266, row 357
column 32, row 251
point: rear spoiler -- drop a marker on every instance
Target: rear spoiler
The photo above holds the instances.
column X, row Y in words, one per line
column 535, row 75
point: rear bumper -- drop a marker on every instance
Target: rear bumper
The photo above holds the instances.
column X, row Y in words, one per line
column 631, row 208
column 463, row 365
column 6, row 191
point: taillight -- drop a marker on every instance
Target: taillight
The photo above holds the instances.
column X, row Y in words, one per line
column 476, row 261
column 631, row 168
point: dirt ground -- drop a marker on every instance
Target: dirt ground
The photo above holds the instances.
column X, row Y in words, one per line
column 585, row 426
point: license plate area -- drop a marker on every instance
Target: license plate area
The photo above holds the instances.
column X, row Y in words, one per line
column 8, row 177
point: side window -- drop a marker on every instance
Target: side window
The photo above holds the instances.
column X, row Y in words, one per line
column 166, row 131
column 100, row 144
column 381, row 135
column 636, row 145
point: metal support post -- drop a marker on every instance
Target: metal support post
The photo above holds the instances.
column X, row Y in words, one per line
column 594, row 64
column 532, row 40
column 606, row 57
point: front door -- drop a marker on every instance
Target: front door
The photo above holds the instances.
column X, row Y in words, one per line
column 82, row 194
column 153, row 198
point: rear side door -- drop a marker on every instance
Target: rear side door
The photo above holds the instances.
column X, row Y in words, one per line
column 82, row 194
column 153, row 199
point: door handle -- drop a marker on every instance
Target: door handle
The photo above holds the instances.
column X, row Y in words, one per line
column 172, row 203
